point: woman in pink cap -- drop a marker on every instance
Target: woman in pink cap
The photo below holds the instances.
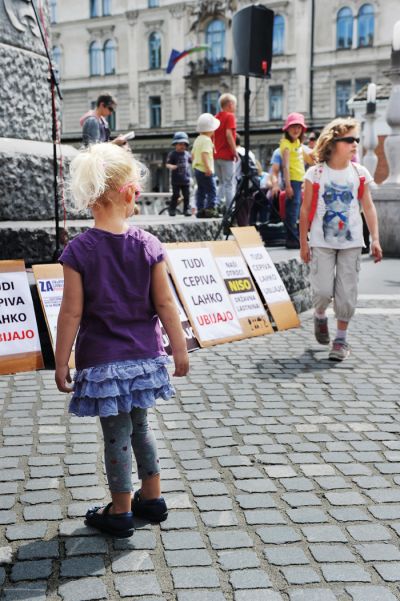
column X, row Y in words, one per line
column 293, row 158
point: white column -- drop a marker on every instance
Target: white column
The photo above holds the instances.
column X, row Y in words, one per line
column 370, row 138
column 177, row 40
column 133, row 67
column 302, row 40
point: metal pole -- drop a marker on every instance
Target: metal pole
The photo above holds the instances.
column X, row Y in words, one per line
column 55, row 169
column 311, row 106
column 53, row 87
column 246, row 132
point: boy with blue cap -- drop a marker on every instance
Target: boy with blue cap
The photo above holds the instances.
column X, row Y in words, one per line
column 178, row 161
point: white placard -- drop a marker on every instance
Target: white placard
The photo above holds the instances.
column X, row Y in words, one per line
column 237, row 278
column 265, row 274
column 18, row 328
column 51, row 292
column 204, row 292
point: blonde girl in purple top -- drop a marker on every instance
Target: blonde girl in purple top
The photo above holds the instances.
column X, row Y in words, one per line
column 115, row 289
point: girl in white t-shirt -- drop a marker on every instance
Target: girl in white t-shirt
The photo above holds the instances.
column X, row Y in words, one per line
column 335, row 191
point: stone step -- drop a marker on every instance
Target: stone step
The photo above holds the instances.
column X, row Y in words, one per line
column 34, row 241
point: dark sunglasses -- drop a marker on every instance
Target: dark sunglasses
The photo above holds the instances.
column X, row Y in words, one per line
column 348, row 139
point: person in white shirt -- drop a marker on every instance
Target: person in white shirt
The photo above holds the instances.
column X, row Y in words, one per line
column 335, row 190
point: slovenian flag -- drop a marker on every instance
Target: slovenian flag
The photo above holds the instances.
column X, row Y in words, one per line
column 176, row 56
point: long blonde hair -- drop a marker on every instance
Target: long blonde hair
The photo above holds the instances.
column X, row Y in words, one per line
column 99, row 169
column 326, row 141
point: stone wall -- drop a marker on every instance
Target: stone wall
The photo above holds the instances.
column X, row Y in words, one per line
column 26, row 151
column 35, row 243
column 25, row 107
column 26, row 177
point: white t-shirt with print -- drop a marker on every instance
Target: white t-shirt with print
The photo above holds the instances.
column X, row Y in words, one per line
column 337, row 222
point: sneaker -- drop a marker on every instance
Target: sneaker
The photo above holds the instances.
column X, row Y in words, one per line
column 152, row 510
column 211, row 213
column 187, row 213
column 340, row 350
column 321, row 330
column 171, row 212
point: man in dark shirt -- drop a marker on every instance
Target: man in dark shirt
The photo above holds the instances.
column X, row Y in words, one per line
column 94, row 124
column 178, row 161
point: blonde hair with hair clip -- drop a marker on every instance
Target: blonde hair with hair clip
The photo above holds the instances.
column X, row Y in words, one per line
column 326, row 141
column 99, row 169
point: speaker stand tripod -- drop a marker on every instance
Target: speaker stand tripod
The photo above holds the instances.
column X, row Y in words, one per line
column 241, row 200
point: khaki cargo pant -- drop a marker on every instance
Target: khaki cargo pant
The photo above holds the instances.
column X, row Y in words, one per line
column 334, row 274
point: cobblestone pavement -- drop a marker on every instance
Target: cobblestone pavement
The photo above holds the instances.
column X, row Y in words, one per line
column 280, row 468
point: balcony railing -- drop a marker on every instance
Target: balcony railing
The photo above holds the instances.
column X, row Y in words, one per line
column 207, row 66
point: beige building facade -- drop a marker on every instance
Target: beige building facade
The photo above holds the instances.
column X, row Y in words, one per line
column 325, row 51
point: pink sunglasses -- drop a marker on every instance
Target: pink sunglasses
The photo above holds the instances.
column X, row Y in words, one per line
column 127, row 185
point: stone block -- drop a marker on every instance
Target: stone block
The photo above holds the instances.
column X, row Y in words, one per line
column 249, row 579
column 195, row 578
column 84, row 589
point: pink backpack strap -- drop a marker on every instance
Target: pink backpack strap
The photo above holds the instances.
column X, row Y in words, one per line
column 315, row 195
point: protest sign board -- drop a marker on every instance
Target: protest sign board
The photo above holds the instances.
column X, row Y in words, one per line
column 241, row 289
column 192, row 343
column 267, row 277
column 50, row 284
column 203, row 293
column 19, row 337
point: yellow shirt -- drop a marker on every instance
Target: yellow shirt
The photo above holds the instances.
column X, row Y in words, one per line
column 296, row 161
column 202, row 144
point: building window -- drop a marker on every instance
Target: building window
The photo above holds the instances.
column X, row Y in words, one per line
column 53, row 11
column 56, row 57
column 96, row 58
column 278, row 35
column 210, row 102
column 215, row 39
column 155, row 111
column 153, row 3
column 95, row 9
column 361, row 83
column 106, row 8
column 109, row 57
column 275, row 103
column 366, row 25
column 155, row 51
column 343, row 93
column 344, row 28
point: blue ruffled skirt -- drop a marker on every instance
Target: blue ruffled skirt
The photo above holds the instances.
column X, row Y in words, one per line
column 118, row 387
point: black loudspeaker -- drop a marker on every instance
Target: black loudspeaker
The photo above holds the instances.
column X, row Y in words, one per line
column 252, row 29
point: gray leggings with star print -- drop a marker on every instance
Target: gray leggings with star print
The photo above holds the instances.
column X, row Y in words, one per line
column 122, row 433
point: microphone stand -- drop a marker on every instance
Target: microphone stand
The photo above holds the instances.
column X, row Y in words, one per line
column 53, row 87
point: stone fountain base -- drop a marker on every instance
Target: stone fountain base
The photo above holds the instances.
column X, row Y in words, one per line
column 387, row 201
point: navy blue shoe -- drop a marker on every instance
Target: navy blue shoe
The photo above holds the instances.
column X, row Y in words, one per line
column 119, row 525
column 152, row 510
